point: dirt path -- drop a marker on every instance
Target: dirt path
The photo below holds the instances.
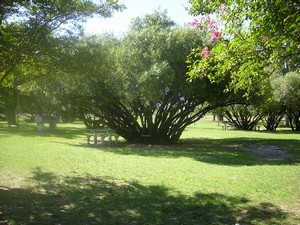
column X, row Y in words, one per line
column 267, row 152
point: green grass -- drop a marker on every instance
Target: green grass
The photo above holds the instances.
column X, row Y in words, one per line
column 54, row 177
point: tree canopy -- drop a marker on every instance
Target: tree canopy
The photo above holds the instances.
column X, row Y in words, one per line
column 137, row 85
column 286, row 91
column 26, row 27
column 31, row 34
column 246, row 38
column 158, row 20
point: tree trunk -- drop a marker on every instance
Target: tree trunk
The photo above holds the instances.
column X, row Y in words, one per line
column 10, row 114
column 271, row 121
column 10, row 103
column 297, row 122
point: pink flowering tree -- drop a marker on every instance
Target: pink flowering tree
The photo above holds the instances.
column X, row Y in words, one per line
column 247, row 39
column 210, row 24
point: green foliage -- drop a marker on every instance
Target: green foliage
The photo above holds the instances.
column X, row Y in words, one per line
column 273, row 111
column 287, row 91
column 137, row 85
column 158, row 20
column 26, row 27
column 254, row 34
column 156, row 62
column 40, row 101
column 156, row 101
column 244, row 117
column 76, row 71
column 55, row 13
column 29, row 31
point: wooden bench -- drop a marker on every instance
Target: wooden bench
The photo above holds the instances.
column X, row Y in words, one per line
column 99, row 136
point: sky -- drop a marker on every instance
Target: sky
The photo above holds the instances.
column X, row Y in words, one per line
column 119, row 22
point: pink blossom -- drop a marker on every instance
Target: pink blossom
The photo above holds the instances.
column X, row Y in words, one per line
column 205, row 19
column 212, row 24
column 194, row 23
column 265, row 38
column 215, row 36
column 205, row 52
column 222, row 9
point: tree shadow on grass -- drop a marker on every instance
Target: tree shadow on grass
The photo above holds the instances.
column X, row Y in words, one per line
column 214, row 151
column 96, row 200
column 30, row 130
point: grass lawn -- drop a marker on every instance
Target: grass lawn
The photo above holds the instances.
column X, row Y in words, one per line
column 54, row 177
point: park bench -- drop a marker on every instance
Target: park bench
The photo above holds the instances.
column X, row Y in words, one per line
column 99, row 136
column 227, row 126
column 256, row 127
column 40, row 122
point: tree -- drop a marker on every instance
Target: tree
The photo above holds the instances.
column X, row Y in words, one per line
column 244, row 117
column 251, row 36
column 272, row 109
column 273, row 113
column 137, row 85
column 28, row 33
column 35, row 67
column 157, row 20
column 287, row 91
column 146, row 96
column 40, row 102
column 25, row 26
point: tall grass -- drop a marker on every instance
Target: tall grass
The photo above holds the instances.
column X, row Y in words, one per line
column 54, row 177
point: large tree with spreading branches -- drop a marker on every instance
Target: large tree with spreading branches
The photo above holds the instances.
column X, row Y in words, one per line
column 143, row 92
